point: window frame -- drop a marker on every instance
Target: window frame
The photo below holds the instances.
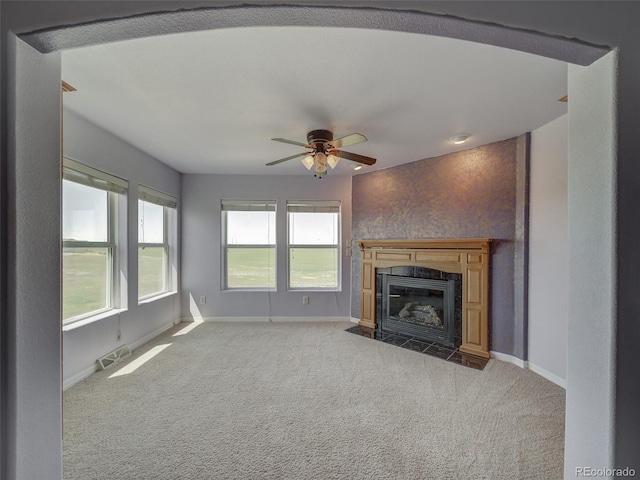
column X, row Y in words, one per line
column 155, row 197
column 227, row 205
column 76, row 172
column 318, row 206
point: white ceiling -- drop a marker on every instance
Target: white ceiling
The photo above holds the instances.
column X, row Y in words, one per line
column 209, row 102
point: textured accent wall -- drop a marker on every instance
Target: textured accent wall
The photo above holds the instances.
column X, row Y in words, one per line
column 464, row 194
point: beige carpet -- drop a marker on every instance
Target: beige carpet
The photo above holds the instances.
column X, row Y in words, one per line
column 308, row 401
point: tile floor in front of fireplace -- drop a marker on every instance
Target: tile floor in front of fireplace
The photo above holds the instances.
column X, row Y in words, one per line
column 428, row 348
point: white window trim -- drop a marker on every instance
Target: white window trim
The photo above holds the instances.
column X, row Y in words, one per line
column 74, row 171
column 317, row 206
column 149, row 195
column 93, row 318
column 238, row 206
column 167, row 294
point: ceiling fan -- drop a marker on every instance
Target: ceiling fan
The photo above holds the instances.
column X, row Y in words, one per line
column 324, row 151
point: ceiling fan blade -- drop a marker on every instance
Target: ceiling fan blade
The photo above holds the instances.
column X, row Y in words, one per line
column 292, row 142
column 275, row 162
column 348, row 140
column 354, row 157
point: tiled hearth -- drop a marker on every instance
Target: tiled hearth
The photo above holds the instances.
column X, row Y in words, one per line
column 428, row 348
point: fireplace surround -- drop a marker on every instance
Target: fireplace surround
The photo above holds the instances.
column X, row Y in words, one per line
column 468, row 257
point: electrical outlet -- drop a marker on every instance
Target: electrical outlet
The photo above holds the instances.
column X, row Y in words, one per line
column 305, row 300
column 203, row 300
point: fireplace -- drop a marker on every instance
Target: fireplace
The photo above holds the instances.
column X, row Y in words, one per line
column 463, row 260
column 420, row 302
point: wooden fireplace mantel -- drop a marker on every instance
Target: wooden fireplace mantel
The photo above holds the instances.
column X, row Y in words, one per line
column 467, row 256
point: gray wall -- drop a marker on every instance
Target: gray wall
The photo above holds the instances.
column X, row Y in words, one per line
column 548, row 250
column 201, row 246
column 608, row 23
column 467, row 194
column 89, row 144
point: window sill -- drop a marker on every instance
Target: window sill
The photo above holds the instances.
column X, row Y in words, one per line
column 249, row 290
column 160, row 296
column 94, row 318
column 319, row 290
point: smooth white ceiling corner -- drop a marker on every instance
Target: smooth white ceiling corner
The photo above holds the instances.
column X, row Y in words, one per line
column 209, row 102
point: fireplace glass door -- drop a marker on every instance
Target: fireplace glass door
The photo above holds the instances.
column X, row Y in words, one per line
column 422, row 308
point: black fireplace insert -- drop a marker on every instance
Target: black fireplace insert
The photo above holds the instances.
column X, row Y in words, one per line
column 420, row 307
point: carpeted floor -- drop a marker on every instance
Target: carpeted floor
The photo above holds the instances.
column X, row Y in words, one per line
column 308, row 401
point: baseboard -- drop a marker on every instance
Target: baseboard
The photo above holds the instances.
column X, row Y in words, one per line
column 236, row 319
column 78, row 377
column 87, row 372
column 355, row 320
column 274, row 319
column 509, row 359
column 152, row 335
column 552, row 377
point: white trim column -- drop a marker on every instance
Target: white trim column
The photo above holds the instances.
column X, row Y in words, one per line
column 590, row 417
column 34, row 383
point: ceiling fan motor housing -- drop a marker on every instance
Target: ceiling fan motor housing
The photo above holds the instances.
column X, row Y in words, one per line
column 319, row 138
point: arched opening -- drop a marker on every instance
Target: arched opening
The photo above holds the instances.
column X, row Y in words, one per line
column 36, row 164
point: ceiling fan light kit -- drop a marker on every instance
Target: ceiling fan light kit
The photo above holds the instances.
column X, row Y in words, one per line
column 325, row 151
column 308, row 161
column 320, row 160
column 332, row 160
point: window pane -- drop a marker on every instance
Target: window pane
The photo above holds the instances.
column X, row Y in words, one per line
column 251, row 268
column 251, row 228
column 85, row 213
column 151, row 271
column 313, row 228
column 150, row 222
column 313, row 268
column 85, row 275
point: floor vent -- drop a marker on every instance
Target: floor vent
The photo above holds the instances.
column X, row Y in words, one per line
column 114, row 357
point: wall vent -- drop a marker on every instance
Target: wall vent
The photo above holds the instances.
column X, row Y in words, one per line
column 114, row 357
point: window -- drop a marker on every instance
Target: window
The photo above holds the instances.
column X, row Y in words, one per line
column 249, row 244
column 89, row 249
column 154, row 253
column 314, row 245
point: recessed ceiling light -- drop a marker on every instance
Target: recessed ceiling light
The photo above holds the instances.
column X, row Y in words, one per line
column 357, row 167
column 458, row 139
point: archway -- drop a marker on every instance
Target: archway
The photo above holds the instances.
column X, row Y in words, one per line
column 34, row 164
